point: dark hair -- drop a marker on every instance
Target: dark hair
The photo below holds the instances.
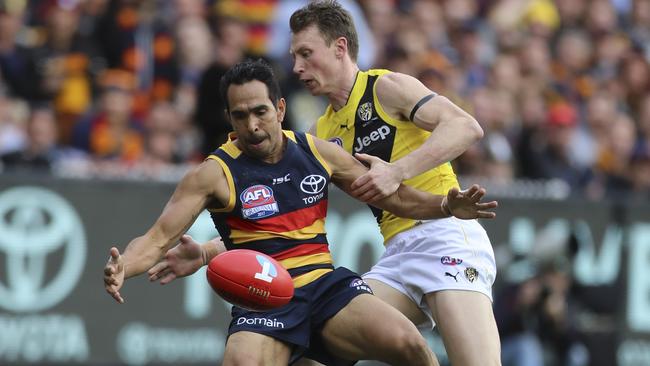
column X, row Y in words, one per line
column 332, row 21
column 250, row 70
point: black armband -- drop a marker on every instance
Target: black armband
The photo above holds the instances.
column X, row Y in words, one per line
column 419, row 104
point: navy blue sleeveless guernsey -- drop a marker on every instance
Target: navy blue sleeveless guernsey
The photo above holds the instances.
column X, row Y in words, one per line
column 278, row 209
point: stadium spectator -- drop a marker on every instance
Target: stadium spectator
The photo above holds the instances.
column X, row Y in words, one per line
column 111, row 131
column 42, row 153
column 13, row 116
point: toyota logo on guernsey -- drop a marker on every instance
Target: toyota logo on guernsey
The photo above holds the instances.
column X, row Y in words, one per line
column 35, row 223
column 258, row 202
column 313, row 184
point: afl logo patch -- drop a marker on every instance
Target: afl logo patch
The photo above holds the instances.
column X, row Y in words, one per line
column 450, row 261
column 336, row 140
column 258, row 202
column 365, row 111
column 360, row 285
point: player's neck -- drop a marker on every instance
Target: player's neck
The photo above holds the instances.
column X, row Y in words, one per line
column 277, row 153
column 343, row 87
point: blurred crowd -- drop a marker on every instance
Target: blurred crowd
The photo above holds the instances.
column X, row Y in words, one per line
column 129, row 88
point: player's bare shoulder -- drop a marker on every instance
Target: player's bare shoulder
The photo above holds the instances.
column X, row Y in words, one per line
column 209, row 179
column 397, row 93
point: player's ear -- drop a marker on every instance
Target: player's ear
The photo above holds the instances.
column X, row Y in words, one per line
column 341, row 47
column 282, row 108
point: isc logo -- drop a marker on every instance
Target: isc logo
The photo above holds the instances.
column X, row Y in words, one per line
column 258, row 202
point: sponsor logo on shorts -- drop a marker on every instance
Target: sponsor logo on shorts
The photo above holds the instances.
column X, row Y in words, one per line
column 471, row 273
column 450, row 261
column 270, row 323
column 447, row 274
column 258, row 202
column 360, row 285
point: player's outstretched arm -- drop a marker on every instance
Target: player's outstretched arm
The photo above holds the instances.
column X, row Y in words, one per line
column 184, row 259
column 406, row 201
column 452, row 132
column 202, row 185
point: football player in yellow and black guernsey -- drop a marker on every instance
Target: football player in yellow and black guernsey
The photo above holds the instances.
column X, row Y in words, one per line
column 267, row 190
column 407, row 134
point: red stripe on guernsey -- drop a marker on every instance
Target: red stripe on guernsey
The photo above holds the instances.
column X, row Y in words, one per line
column 300, row 250
column 294, row 220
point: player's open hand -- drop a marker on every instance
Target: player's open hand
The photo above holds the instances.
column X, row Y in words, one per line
column 379, row 182
column 180, row 261
column 114, row 275
column 467, row 204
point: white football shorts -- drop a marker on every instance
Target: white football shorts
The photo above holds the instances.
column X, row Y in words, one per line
column 443, row 254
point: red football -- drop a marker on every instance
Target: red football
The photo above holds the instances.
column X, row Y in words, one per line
column 250, row 279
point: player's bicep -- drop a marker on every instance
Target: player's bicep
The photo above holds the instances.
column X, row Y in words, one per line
column 406, row 98
column 438, row 109
column 196, row 190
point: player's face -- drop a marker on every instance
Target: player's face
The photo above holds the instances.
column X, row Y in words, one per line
column 257, row 123
column 314, row 60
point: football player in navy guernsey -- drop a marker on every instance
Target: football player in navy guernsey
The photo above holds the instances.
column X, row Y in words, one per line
column 332, row 317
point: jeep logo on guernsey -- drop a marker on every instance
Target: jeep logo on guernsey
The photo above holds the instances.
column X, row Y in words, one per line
column 375, row 135
column 258, row 202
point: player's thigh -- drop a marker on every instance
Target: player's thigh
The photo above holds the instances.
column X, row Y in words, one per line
column 253, row 349
column 398, row 300
column 368, row 328
column 465, row 320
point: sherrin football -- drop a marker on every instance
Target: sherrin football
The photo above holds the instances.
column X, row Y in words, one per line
column 250, row 279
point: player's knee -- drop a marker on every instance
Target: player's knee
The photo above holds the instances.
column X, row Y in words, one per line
column 415, row 344
column 411, row 347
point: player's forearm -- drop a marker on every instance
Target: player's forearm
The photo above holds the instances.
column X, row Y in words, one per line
column 140, row 255
column 447, row 141
column 411, row 203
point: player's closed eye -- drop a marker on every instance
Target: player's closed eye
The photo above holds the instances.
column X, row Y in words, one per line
column 260, row 112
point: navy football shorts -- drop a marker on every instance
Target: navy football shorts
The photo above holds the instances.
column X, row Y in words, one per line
column 300, row 322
